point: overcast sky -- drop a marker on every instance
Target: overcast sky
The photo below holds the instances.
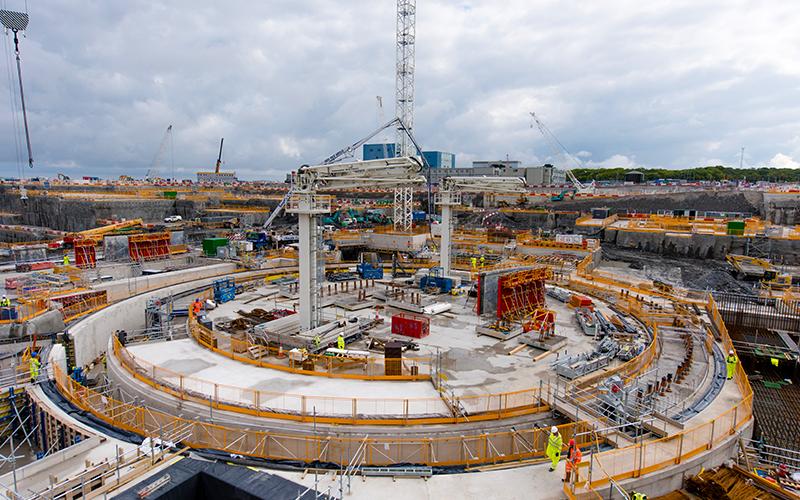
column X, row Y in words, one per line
column 286, row 82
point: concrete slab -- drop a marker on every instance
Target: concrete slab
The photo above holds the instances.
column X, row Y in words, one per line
column 213, row 375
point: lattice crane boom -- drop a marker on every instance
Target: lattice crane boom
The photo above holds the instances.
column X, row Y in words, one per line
column 153, row 171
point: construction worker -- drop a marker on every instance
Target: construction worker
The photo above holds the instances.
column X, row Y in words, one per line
column 4, row 302
column 731, row 361
column 638, row 496
column 197, row 307
column 35, row 365
column 554, row 444
column 340, row 341
column 574, row 457
column 474, row 262
column 483, row 261
column 66, row 259
column 317, row 341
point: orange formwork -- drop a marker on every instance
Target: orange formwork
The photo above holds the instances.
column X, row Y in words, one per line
column 145, row 247
column 85, row 254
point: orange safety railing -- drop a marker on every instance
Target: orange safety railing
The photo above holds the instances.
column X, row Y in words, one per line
column 329, row 409
column 84, row 306
column 433, row 449
column 646, row 457
column 23, row 312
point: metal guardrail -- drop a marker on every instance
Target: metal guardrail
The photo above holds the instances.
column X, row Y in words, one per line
column 329, row 409
column 431, row 450
column 646, row 457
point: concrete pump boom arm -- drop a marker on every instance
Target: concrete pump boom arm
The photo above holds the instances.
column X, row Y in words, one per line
column 386, row 173
column 484, row 184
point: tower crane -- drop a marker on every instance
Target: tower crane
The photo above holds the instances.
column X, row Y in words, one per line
column 559, row 149
column 308, row 204
column 153, row 171
column 449, row 195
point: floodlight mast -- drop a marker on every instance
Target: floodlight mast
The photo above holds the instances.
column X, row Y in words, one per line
column 16, row 22
column 449, row 195
column 308, row 203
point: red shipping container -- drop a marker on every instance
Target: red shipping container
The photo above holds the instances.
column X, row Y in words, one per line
column 38, row 266
column 411, row 326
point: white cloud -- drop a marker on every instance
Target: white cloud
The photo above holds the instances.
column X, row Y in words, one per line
column 614, row 161
column 781, row 160
column 289, row 147
column 292, row 82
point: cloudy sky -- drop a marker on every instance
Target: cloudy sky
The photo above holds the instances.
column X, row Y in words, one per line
column 621, row 83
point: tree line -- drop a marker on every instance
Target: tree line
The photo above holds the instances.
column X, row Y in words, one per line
column 715, row 173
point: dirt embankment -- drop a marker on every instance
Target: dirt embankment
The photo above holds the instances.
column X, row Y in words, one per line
column 696, row 274
column 706, row 201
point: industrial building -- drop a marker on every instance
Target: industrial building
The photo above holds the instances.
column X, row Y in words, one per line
column 435, row 159
column 545, row 175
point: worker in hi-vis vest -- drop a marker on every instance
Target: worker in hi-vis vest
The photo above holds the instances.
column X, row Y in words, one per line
column 66, row 259
column 731, row 361
column 35, row 365
column 554, row 444
column 340, row 341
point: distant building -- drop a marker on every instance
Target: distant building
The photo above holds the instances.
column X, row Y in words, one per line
column 217, row 178
column 437, row 174
column 440, row 159
column 378, row 151
column 436, row 159
column 545, row 175
column 634, row 177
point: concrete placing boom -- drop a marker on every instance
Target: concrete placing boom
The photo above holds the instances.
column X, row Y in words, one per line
column 307, row 203
column 347, row 152
column 449, row 195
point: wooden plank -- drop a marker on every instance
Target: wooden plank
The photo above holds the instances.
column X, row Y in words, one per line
column 517, row 349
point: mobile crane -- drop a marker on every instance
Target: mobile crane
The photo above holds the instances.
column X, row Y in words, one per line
column 558, row 149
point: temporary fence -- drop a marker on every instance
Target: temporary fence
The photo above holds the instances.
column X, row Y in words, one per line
column 432, row 450
column 362, row 368
column 329, row 409
column 648, row 456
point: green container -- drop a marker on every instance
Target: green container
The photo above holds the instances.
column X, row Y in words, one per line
column 170, row 194
column 210, row 246
column 736, row 227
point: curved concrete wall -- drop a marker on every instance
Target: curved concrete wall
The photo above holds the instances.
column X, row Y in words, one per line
column 92, row 333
